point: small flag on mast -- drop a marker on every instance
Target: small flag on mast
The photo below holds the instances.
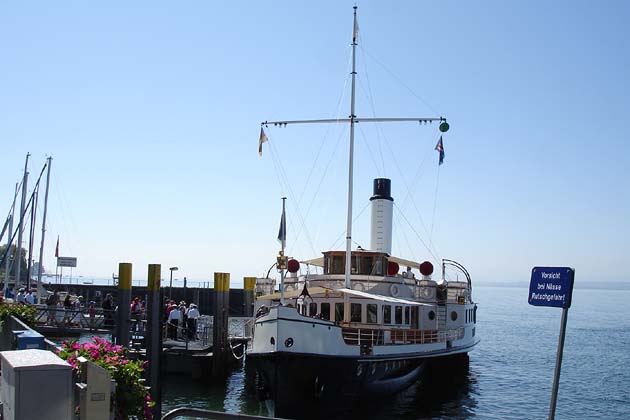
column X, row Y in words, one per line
column 282, row 232
column 57, row 248
column 440, row 148
column 263, row 138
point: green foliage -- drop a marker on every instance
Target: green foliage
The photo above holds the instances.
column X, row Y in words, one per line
column 131, row 396
column 26, row 313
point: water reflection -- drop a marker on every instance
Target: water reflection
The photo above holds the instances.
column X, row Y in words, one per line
column 442, row 393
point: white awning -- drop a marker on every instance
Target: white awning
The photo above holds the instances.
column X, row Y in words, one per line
column 405, row 263
column 319, row 261
column 381, row 297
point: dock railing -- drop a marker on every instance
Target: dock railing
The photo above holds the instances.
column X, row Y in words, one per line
column 84, row 318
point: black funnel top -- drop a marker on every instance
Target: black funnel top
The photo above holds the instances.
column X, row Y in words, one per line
column 382, row 189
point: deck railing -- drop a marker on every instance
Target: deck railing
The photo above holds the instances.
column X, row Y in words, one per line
column 378, row 337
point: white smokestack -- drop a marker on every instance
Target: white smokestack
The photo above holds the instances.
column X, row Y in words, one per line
column 382, row 209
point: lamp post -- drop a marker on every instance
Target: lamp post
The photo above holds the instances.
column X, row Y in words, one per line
column 170, row 286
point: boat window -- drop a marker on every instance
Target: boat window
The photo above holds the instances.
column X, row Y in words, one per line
column 327, row 268
column 355, row 263
column 339, row 312
column 387, row 314
column 414, row 317
column 366, row 265
column 399, row 315
column 325, row 312
column 378, row 266
column 312, row 309
column 337, row 265
column 355, row 312
column 372, row 313
column 407, row 317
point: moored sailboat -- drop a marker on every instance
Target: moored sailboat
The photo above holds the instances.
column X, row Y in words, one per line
column 361, row 327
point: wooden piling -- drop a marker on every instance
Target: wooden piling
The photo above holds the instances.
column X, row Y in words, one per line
column 249, row 283
column 154, row 335
column 123, row 323
column 220, row 344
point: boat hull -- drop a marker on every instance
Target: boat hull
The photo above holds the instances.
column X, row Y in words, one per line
column 295, row 381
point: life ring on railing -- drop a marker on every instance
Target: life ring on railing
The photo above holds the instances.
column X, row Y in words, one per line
column 359, row 287
column 394, row 290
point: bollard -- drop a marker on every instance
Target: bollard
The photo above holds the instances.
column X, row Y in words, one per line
column 123, row 323
column 154, row 336
column 249, row 283
column 220, row 345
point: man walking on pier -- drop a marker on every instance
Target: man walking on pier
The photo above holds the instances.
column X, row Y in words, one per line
column 193, row 314
column 174, row 317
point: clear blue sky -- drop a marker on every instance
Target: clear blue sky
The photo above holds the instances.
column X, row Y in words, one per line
column 151, row 111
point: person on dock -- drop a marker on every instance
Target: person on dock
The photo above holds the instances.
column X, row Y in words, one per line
column 67, row 310
column 21, row 296
column 192, row 313
column 29, row 298
column 174, row 317
column 51, row 303
column 108, row 310
column 136, row 315
column 92, row 315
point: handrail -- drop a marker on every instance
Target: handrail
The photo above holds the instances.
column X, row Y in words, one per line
column 458, row 266
column 208, row 414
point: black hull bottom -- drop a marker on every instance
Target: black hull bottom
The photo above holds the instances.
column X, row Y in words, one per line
column 305, row 386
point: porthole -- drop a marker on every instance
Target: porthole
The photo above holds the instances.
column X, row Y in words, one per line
column 431, row 315
column 288, row 342
column 272, row 341
column 454, row 316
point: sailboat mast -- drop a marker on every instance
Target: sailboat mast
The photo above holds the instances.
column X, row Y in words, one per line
column 9, row 240
column 41, row 247
column 18, row 251
column 346, row 299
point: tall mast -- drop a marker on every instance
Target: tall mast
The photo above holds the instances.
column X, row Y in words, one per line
column 346, row 298
column 282, row 260
column 41, row 248
column 352, row 120
column 18, row 251
column 9, row 239
column 31, row 236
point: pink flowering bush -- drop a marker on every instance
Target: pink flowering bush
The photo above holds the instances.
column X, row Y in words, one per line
column 131, row 396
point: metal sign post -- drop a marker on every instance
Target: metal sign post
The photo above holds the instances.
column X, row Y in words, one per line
column 553, row 286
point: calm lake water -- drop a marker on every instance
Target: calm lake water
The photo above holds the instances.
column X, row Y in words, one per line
column 511, row 370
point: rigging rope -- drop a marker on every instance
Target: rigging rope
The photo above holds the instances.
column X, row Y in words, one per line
column 436, row 259
column 381, row 136
column 283, row 179
column 341, row 235
column 399, row 80
column 437, row 183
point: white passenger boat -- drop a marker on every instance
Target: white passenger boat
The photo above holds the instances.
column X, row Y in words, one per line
column 370, row 322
